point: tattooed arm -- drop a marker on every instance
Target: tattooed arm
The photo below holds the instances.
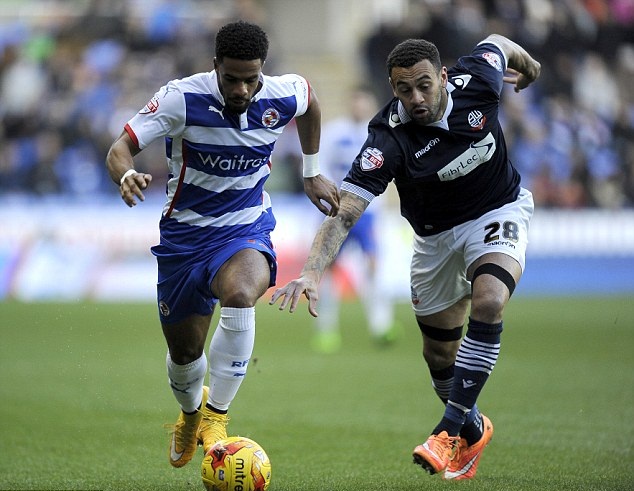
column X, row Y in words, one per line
column 326, row 245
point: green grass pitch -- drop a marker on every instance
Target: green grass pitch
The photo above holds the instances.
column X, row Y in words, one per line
column 84, row 396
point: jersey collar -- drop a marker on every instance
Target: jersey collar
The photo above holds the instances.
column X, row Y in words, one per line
column 215, row 88
column 444, row 121
column 215, row 92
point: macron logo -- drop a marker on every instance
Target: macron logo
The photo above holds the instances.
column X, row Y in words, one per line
column 427, row 148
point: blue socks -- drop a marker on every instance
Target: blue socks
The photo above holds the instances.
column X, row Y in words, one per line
column 475, row 361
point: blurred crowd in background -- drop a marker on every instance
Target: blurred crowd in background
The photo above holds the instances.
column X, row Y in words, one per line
column 69, row 83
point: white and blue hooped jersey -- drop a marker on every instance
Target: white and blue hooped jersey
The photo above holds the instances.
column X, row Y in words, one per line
column 218, row 161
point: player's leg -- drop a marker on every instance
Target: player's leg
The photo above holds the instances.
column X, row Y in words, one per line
column 327, row 336
column 440, row 292
column 440, row 346
column 185, row 315
column 492, row 284
column 238, row 283
column 494, row 250
column 186, row 370
column 478, row 351
column 379, row 307
column 442, row 332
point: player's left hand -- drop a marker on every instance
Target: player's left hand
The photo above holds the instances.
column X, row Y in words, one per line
column 522, row 80
column 293, row 291
column 319, row 188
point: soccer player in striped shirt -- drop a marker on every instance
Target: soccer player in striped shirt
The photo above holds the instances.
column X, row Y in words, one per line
column 220, row 128
column 440, row 140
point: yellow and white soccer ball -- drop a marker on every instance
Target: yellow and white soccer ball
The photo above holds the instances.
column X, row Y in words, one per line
column 236, row 464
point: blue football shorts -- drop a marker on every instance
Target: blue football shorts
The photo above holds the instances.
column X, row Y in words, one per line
column 184, row 277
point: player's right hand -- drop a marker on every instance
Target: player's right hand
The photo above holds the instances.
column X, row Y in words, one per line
column 319, row 189
column 133, row 186
column 293, row 291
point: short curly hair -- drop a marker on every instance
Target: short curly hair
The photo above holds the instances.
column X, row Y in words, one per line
column 410, row 52
column 242, row 41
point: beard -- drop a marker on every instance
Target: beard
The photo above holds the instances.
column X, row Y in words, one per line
column 428, row 113
column 237, row 106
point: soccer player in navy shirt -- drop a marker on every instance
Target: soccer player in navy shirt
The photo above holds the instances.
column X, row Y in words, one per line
column 439, row 139
column 220, row 128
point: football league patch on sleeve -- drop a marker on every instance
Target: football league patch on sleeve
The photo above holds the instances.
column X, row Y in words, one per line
column 151, row 107
column 493, row 59
column 371, row 158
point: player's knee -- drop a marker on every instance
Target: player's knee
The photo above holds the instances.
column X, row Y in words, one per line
column 184, row 355
column 439, row 345
column 238, row 301
column 242, row 293
column 438, row 354
column 186, row 339
column 240, row 298
column 488, row 306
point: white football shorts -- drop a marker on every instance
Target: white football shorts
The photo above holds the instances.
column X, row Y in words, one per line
column 439, row 262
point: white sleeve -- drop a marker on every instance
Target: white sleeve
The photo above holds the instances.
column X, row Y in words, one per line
column 163, row 115
column 301, row 91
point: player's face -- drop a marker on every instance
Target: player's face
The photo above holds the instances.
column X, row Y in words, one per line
column 238, row 81
column 421, row 90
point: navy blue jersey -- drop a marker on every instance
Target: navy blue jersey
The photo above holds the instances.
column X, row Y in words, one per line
column 447, row 172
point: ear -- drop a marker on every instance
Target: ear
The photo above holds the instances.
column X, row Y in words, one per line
column 392, row 85
column 444, row 77
column 216, row 63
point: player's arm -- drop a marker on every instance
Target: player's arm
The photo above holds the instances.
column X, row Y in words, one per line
column 326, row 245
column 523, row 67
column 316, row 186
column 120, row 166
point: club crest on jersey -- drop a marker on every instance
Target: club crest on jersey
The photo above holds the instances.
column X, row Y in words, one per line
column 371, row 158
column 270, row 117
column 494, row 60
column 151, row 107
column 476, row 120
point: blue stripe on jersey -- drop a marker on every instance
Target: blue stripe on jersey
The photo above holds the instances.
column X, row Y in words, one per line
column 190, row 237
column 204, row 110
column 168, row 147
column 224, row 160
column 285, row 107
column 208, row 203
column 224, row 166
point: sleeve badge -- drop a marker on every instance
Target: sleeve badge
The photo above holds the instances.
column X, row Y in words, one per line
column 371, row 158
